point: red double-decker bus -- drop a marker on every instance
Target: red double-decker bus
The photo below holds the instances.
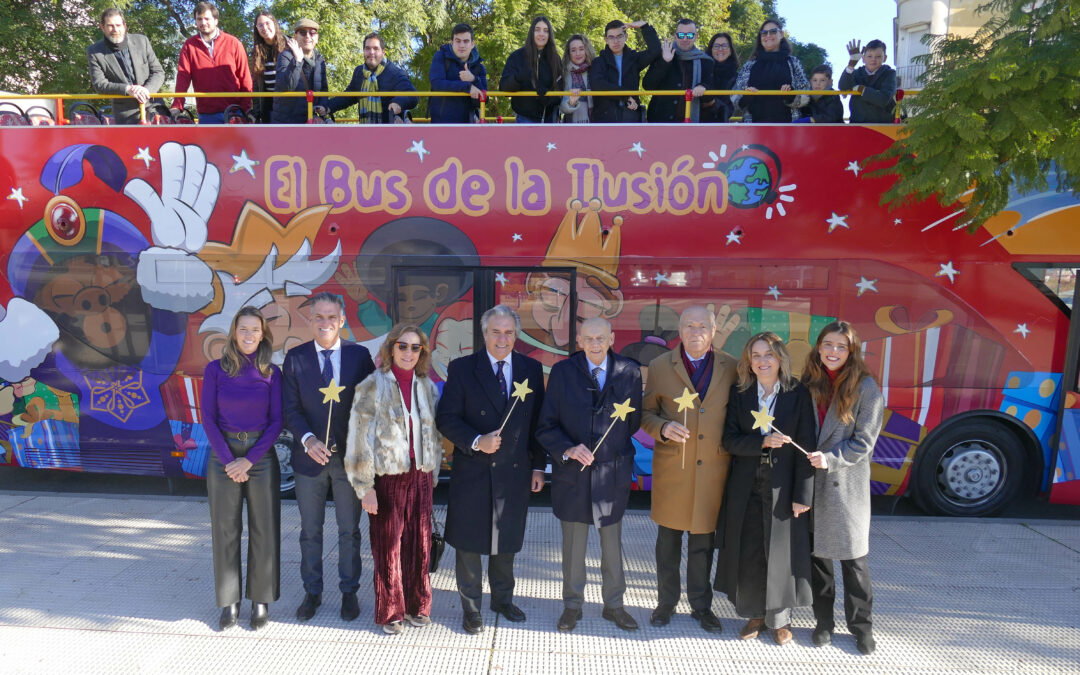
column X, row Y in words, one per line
column 128, row 250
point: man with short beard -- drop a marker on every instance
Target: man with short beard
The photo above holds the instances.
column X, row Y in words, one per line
column 377, row 74
column 124, row 64
column 212, row 61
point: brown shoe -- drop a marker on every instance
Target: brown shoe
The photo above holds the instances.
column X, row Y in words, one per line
column 751, row 629
column 782, row 636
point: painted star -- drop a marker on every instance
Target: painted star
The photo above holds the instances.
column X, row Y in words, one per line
column 516, row 237
column 244, row 163
column 762, row 419
column 774, row 292
column 837, row 221
column 551, row 146
column 144, row 155
column 17, row 195
column 331, row 392
column 896, row 221
column 419, row 149
column 947, row 270
column 686, row 401
column 865, row 285
column 661, row 278
column 1022, row 329
column 622, row 410
column 638, row 148
column 501, row 278
column 521, row 390
column 853, row 167
column 733, row 237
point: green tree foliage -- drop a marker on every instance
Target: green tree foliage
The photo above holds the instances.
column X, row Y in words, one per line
column 37, row 41
column 997, row 110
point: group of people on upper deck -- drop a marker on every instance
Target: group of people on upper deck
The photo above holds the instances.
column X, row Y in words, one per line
column 214, row 61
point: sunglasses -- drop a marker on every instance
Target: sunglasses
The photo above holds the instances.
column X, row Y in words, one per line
column 406, row 346
column 685, row 36
column 307, row 31
column 770, row 31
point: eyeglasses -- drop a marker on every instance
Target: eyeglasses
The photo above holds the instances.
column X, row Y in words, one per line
column 307, row 31
column 407, row 346
column 685, row 36
column 615, row 38
column 721, row 46
column 770, row 31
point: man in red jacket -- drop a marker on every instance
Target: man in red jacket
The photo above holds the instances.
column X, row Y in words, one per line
column 212, row 61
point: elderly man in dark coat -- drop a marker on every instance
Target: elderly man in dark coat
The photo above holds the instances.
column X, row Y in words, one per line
column 591, row 409
column 493, row 468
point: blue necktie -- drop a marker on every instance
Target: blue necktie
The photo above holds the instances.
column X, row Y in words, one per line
column 327, row 367
column 502, row 379
column 596, row 377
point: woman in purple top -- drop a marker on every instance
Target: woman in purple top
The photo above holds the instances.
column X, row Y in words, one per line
column 241, row 407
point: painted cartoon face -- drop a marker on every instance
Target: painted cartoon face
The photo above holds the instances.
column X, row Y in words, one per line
column 416, row 302
column 763, row 362
column 834, row 350
column 820, row 81
column 550, row 310
column 873, row 58
column 407, row 350
column 248, row 334
column 696, row 330
column 326, row 321
column 500, row 336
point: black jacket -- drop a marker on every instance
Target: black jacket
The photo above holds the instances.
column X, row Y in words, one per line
column 824, row 109
column 878, row 100
column 724, row 75
column 290, row 77
column 392, row 79
column 674, row 74
column 517, row 76
column 604, row 76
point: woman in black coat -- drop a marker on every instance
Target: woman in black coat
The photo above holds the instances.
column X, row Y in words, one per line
column 725, row 71
column 535, row 67
column 762, row 533
column 771, row 67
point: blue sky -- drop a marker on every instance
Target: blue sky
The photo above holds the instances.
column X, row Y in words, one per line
column 831, row 28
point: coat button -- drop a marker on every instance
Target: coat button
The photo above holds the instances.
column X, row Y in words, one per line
column 699, row 462
column 701, row 437
column 493, row 464
column 483, row 412
column 515, row 465
column 836, row 483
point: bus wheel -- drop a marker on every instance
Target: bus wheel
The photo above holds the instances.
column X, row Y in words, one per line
column 971, row 469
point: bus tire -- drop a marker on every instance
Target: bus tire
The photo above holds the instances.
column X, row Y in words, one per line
column 974, row 468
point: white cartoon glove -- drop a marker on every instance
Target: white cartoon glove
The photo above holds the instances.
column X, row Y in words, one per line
column 27, row 334
column 170, row 273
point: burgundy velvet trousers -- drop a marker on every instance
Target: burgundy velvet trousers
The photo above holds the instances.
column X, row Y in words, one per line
column 401, row 546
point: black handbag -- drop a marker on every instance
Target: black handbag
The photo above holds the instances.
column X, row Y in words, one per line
column 438, row 545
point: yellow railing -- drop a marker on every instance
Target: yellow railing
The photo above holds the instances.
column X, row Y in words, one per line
column 312, row 95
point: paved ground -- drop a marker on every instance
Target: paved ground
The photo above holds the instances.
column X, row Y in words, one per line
column 95, row 584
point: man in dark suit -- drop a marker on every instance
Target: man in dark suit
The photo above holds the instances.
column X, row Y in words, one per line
column 318, row 458
column 492, row 472
column 592, row 403
column 124, row 63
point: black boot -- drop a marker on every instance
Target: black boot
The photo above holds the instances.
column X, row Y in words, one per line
column 260, row 615
column 229, row 614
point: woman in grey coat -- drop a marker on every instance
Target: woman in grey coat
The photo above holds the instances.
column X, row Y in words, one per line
column 850, row 408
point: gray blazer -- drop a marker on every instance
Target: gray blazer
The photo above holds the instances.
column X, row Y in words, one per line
column 841, row 513
column 107, row 77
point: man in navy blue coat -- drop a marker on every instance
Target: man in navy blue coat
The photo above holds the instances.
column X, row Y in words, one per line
column 376, row 74
column 457, row 67
column 619, row 67
column 318, row 460
column 492, row 472
column 594, row 392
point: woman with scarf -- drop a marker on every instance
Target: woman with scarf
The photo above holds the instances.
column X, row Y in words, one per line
column 242, row 416
column 725, row 71
column 457, row 67
column 772, row 67
column 268, row 44
column 393, row 456
column 681, row 66
column 534, row 67
column 850, row 411
column 577, row 58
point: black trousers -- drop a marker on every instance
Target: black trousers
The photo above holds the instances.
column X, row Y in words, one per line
column 262, row 492
column 858, row 596
column 470, row 579
column 311, row 493
column 699, row 561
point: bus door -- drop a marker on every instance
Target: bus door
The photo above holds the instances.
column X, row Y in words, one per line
column 1065, row 464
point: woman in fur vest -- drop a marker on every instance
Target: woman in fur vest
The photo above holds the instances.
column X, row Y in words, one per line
column 393, row 458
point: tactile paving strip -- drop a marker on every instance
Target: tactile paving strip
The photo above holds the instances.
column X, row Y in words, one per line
column 123, row 585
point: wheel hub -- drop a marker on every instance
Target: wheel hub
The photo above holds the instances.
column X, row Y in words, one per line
column 971, row 472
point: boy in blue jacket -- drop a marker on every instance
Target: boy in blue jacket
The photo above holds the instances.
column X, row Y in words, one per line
column 822, row 109
column 457, row 66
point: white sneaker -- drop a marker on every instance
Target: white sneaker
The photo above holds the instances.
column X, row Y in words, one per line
column 419, row 620
column 392, row 628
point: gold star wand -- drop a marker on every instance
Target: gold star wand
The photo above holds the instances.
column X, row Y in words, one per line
column 686, row 401
column 763, row 420
column 621, row 411
column 521, row 390
column 331, row 394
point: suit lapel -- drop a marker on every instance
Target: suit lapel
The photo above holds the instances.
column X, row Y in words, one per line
column 680, row 368
column 485, row 374
column 348, row 363
column 785, row 407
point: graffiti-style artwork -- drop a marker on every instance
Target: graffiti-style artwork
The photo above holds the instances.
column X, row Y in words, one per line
column 129, row 251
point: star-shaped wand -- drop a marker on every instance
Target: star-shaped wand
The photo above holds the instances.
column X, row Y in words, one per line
column 521, row 390
column 331, row 394
column 621, row 411
column 686, row 401
column 763, row 420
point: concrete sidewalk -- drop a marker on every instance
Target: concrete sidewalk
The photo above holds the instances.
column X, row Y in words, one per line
column 124, row 585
